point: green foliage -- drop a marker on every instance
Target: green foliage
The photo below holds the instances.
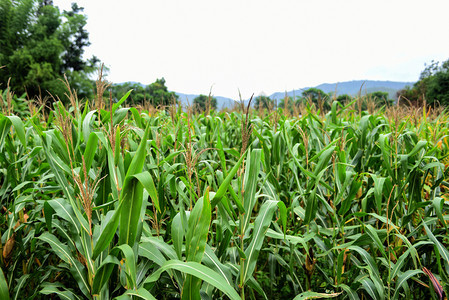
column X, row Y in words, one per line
column 264, row 102
column 433, row 86
column 380, row 98
column 39, row 44
column 204, row 103
column 317, row 97
column 344, row 99
column 155, row 94
column 159, row 94
column 114, row 204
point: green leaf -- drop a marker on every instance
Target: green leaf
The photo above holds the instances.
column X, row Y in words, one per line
column 386, row 154
column 212, row 261
column 89, row 152
column 198, row 229
column 132, row 195
column 378, row 191
column 146, row 180
column 116, row 105
column 324, row 160
column 19, row 128
column 367, row 258
column 4, row 291
column 178, row 233
column 261, row 225
column 63, row 252
column 443, row 251
column 108, row 233
column 55, row 288
column 65, row 211
column 402, row 279
column 148, row 250
column 48, row 212
column 351, row 293
column 86, row 126
column 418, row 147
column 202, row 272
column 314, row 295
column 104, row 272
column 141, row 293
column 196, row 238
column 368, row 285
column 21, row 283
column 373, row 234
column 438, row 203
column 130, row 264
column 227, row 184
column 250, row 185
column 65, row 186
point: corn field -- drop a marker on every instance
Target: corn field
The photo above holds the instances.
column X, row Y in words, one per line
column 107, row 201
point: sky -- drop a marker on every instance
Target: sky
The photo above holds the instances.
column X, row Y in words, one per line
column 262, row 46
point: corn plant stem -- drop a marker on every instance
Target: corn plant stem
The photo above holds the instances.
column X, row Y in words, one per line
column 242, row 260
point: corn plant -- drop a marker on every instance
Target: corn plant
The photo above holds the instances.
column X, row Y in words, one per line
column 103, row 201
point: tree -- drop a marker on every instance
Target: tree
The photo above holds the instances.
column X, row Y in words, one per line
column 156, row 93
column 432, row 86
column 138, row 95
column 318, row 97
column 380, row 98
column 290, row 105
column 438, row 85
column 345, row 98
column 263, row 102
column 201, row 102
column 39, row 44
column 159, row 95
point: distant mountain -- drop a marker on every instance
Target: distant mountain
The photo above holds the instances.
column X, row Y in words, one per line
column 222, row 102
column 352, row 88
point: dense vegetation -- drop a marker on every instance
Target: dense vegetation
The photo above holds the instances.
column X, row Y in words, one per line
column 431, row 88
column 204, row 103
column 155, row 94
column 117, row 202
column 130, row 196
column 39, row 45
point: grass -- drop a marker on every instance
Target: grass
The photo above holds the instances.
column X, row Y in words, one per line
column 106, row 201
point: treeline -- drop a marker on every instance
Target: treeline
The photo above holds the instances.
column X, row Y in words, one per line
column 432, row 87
column 39, row 44
column 321, row 100
column 155, row 94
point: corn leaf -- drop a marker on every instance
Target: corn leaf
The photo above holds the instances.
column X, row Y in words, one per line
column 199, row 271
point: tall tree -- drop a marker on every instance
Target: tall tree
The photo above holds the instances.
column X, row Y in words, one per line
column 159, row 94
column 39, row 44
column 201, row 103
column 433, row 86
column 263, row 102
column 380, row 98
column 318, row 97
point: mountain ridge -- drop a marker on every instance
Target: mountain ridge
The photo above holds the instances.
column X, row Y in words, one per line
column 352, row 88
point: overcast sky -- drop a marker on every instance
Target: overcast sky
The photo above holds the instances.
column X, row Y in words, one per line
column 264, row 46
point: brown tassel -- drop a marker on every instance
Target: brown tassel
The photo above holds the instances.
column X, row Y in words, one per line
column 436, row 284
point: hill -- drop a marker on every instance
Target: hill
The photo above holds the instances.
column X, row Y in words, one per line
column 352, row 88
column 222, row 102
